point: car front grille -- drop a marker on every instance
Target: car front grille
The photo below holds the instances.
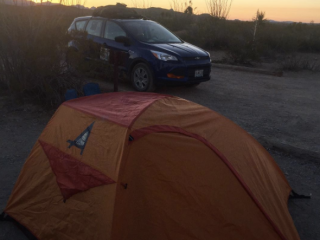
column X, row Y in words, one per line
column 195, row 58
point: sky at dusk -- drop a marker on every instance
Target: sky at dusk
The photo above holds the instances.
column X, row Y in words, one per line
column 279, row 10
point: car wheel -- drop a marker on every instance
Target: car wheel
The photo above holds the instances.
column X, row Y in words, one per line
column 142, row 78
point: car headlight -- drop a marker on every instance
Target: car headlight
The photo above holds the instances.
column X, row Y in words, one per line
column 164, row 56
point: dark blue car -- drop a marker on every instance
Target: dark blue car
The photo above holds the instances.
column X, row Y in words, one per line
column 152, row 54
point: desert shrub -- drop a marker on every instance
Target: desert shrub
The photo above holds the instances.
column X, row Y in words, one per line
column 239, row 39
column 213, row 33
column 310, row 38
column 278, row 38
column 206, row 32
column 32, row 53
column 175, row 21
column 234, row 37
column 296, row 62
column 219, row 9
column 290, row 38
column 242, row 49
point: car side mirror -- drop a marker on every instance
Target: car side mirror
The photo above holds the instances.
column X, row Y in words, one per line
column 122, row 39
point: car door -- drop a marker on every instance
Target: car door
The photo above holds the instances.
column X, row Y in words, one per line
column 94, row 29
column 110, row 48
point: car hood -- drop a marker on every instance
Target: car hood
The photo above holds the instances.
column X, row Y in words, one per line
column 180, row 49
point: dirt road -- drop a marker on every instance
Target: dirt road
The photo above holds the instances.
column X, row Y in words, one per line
column 282, row 113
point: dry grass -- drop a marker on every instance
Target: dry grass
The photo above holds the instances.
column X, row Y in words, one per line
column 298, row 62
column 32, row 52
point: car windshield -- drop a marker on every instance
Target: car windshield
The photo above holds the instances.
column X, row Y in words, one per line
column 150, row 32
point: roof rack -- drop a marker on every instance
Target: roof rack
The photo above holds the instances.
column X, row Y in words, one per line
column 118, row 11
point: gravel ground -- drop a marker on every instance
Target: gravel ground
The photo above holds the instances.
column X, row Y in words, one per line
column 282, row 113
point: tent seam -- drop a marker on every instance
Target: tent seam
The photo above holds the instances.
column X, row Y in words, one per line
column 139, row 133
column 145, row 109
column 94, row 115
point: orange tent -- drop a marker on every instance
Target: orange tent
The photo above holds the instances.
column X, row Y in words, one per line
column 144, row 166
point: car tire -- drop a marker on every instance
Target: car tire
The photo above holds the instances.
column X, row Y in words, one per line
column 142, row 78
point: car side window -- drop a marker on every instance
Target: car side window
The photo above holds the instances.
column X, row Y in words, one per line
column 94, row 27
column 113, row 30
column 80, row 25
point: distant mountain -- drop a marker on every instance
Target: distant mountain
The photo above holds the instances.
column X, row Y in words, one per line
column 155, row 12
column 18, row 2
column 27, row 3
column 79, row 6
column 152, row 13
column 273, row 21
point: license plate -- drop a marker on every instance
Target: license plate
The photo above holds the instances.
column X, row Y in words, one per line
column 198, row 73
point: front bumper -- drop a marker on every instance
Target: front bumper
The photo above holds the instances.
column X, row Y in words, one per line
column 187, row 70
